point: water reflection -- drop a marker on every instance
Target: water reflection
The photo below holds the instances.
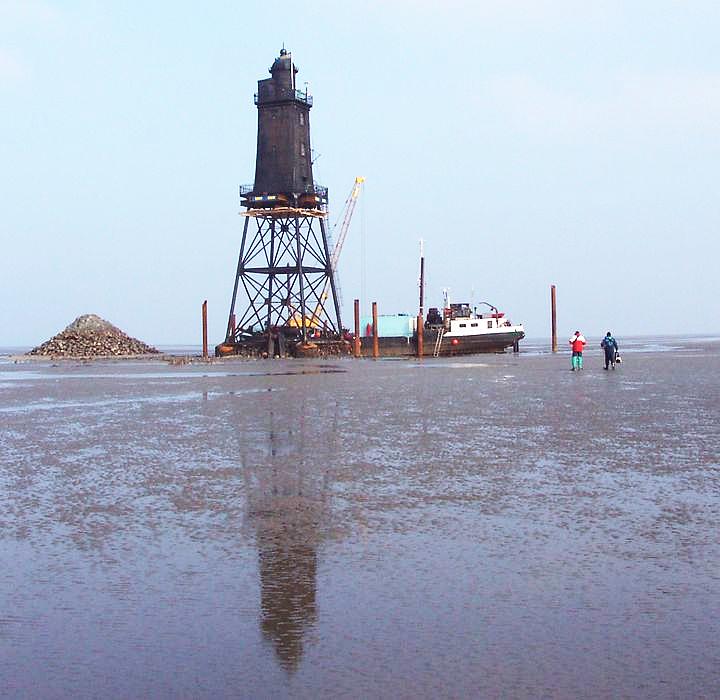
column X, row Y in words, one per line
column 288, row 586
column 286, row 508
column 529, row 556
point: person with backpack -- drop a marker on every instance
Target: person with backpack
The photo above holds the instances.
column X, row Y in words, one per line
column 610, row 346
column 577, row 343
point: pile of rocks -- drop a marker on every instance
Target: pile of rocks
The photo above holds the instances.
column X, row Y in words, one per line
column 92, row 336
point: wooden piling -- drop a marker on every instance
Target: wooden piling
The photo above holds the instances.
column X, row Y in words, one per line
column 420, row 339
column 422, row 285
column 553, row 315
column 420, row 323
column 356, row 341
column 376, row 347
column 204, row 330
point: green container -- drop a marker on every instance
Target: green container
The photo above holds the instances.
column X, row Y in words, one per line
column 389, row 326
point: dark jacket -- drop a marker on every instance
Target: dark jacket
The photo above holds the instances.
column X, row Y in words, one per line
column 609, row 344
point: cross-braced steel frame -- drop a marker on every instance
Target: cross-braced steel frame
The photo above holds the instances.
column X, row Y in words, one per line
column 284, row 272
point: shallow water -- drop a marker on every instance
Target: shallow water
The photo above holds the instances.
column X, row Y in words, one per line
column 492, row 526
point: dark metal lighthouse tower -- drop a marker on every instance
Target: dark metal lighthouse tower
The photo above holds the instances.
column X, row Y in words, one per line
column 284, row 276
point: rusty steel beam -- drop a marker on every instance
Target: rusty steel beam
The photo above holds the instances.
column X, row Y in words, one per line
column 356, row 342
column 376, row 348
column 553, row 317
column 420, row 339
column 204, row 330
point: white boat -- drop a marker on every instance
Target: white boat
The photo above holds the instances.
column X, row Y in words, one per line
column 458, row 330
column 463, row 330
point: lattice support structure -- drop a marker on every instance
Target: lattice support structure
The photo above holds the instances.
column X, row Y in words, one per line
column 284, row 284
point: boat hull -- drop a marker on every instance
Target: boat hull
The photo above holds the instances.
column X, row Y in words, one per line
column 466, row 345
column 451, row 345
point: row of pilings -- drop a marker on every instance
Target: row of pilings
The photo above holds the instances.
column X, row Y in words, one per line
column 357, row 348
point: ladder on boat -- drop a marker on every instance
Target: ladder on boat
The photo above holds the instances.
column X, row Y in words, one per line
column 438, row 341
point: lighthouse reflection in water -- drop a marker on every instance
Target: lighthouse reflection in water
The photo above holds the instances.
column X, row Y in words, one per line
column 286, row 485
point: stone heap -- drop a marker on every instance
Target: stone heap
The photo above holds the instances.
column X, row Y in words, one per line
column 92, row 336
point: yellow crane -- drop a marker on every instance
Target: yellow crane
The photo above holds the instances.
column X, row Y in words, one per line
column 348, row 210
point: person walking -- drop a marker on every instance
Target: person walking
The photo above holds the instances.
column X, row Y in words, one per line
column 610, row 346
column 577, row 343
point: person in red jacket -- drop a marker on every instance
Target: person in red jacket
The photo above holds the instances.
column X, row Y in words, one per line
column 577, row 343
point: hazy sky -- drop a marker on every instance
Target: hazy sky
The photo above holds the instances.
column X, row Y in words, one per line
column 527, row 142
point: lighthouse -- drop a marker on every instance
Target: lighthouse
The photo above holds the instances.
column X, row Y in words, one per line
column 284, row 294
column 283, row 164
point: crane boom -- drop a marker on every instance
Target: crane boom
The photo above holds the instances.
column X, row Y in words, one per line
column 348, row 210
column 347, row 217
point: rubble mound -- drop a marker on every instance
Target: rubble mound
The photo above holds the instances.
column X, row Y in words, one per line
column 92, row 336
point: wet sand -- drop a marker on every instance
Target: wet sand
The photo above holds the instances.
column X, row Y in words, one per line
column 492, row 526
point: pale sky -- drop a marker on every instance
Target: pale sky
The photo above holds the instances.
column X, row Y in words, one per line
column 527, row 143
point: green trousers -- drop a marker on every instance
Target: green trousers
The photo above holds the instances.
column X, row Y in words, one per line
column 577, row 360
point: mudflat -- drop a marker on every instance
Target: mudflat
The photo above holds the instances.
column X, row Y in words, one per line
column 491, row 526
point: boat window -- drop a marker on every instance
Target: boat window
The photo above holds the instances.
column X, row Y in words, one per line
column 463, row 325
column 473, row 325
column 489, row 324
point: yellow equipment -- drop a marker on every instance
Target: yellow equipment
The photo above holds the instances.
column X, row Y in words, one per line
column 295, row 321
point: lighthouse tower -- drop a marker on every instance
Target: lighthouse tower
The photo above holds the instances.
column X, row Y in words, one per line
column 283, row 164
column 284, row 286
